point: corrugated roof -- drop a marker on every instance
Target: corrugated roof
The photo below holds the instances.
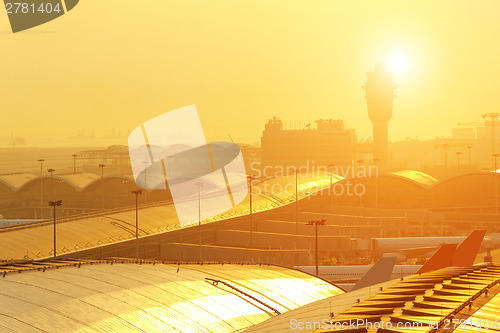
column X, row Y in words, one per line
column 436, row 296
column 485, row 319
column 414, row 301
column 128, row 297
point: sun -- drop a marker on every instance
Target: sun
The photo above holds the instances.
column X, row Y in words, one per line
column 398, row 63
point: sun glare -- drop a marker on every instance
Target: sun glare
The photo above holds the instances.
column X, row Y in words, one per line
column 398, row 63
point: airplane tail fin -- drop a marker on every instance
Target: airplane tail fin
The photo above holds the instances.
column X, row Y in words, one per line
column 466, row 252
column 451, row 255
column 441, row 259
column 380, row 272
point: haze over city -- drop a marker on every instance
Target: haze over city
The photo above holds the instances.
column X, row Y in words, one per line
column 243, row 62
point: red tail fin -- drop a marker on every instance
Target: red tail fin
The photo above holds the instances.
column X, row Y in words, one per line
column 441, row 259
column 467, row 251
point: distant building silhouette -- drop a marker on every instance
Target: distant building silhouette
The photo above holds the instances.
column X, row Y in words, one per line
column 330, row 143
column 466, row 133
column 379, row 89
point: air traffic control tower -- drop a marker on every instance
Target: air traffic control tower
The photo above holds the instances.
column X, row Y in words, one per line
column 379, row 88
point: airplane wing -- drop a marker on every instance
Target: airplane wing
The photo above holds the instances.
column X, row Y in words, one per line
column 418, row 251
column 380, row 272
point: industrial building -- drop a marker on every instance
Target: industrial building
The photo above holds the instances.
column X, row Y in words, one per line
column 329, row 142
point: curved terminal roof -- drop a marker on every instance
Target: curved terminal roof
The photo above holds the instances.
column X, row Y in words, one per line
column 79, row 181
column 416, row 176
column 17, row 180
column 412, row 177
column 471, row 177
column 147, row 297
column 35, row 240
column 315, row 312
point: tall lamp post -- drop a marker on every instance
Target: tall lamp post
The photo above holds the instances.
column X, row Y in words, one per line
column 51, row 171
column 330, row 167
column 495, row 156
column 199, row 184
column 470, row 157
column 55, row 204
column 296, row 201
column 445, row 148
column 74, row 162
column 102, row 185
column 250, row 178
column 137, row 193
column 316, row 223
column 458, row 160
column 41, row 187
column 376, row 161
column 145, row 163
column 360, row 162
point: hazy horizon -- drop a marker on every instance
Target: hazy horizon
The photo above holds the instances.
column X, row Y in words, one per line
column 242, row 63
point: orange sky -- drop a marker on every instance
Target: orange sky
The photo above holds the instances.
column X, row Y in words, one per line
column 114, row 64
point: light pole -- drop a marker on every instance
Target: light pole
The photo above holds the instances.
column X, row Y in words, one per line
column 137, row 192
column 55, row 204
column 199, row 184
column 74, row 162
column 51, row 171
column 360, row 162
column 41, row 187
column 495, row 156
column 102, row 185
column 330, row 167
column 250, row 178
column 296, row 201
column 316, row 223
column 470, row 156
column 145, row 181
column 376, row 160
column 445, row 148
column 458, row 160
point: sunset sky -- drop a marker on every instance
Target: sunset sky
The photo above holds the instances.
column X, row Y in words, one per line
column 115, row 64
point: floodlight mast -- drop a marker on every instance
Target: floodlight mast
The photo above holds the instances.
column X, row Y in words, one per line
column 316, row 223
column 137, row 193
column 55, row 204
